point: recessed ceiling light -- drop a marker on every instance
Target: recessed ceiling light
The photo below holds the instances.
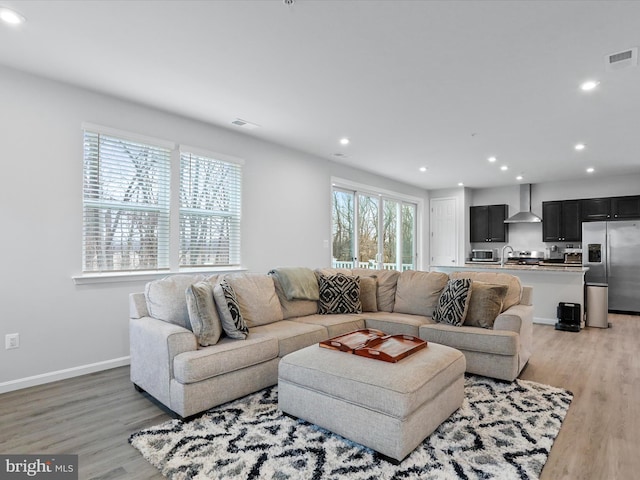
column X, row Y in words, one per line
column 504, row 168
column 460, row 184
column 589, row 85
column 591, row 170
column 492, row 159
column 11, row 16
column 579, row 146
column 423, row 169
column 519, row 177
column 344, row 141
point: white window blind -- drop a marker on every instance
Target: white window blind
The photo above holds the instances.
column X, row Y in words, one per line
column 210, row 206
column 125, row 204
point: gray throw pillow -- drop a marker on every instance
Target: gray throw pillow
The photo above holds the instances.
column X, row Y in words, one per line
column 339, row 294
column 453, row 302
column 485, row 304
column 232, row 322
column 368, row 292
column 203, row 315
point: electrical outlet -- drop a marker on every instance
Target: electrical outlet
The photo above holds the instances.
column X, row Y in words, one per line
column 12, row 340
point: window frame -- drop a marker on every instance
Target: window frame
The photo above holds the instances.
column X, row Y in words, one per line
column 173, row 235
column 382, row 194
column 235, row 213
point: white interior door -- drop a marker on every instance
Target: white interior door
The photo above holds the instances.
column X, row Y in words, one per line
column 444, row 232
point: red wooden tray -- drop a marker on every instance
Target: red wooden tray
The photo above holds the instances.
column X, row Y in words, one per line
column 391, row 348
column 350, row 341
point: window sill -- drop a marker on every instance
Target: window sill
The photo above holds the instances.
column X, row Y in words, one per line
column 121, row 277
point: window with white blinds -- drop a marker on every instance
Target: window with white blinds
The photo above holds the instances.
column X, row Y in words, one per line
column 125, row 205
column 210, row 194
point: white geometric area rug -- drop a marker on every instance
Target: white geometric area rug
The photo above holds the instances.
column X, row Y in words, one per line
column 502, row 431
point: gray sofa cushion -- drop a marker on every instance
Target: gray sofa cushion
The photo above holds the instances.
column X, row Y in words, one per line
column 473, row 339
column 368, row 292
column 166, row 299
column 229, row 311
column 292, row 336
column 227, row 356
column 203, row 315
column 337, row 324
column 396, row 323
column 257, row 298
column 485, row 304
column 386, row 288
column 418, row 292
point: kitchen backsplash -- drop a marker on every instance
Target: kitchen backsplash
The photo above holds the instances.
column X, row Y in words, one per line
column 526, row 236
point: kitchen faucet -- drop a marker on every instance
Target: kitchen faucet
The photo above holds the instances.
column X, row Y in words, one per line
column 502, row 256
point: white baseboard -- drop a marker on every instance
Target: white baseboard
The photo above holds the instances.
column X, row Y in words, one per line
column 545, row 321
column 62, row 374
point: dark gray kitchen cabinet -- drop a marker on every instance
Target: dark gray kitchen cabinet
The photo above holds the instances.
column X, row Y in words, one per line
column 487, row 223
column 561, row 221
column 595, row 209
column 625, row 207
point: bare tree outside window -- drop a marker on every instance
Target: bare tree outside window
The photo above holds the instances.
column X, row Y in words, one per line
column 125, row 204
column 343, row 225
column 209, row 211
column 397, row 220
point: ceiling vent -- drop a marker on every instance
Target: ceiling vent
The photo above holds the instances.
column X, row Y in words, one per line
column 618, row 60
column 238, row 122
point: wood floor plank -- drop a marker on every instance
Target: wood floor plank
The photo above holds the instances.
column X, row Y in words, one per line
column 93, row 415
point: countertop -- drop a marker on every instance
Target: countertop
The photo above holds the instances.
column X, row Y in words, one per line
column 549, row 267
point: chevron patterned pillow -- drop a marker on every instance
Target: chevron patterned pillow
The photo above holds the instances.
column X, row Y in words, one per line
column 453, row 302
column 339, row 293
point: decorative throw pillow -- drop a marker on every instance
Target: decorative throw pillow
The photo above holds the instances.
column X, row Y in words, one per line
column 453, row 302
column 232, row 322
column 485, row 304
column 339, row 293
column 203, row 315
column 368, row 292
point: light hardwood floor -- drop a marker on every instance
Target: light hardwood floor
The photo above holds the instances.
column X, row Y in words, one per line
column 93, row 415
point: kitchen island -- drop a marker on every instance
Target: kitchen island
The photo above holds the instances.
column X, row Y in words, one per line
column 551, row 284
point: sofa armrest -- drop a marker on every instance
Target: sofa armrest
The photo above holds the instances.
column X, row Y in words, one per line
column 527, row 295
column 513, row 318
column 518, row 319
column 137, row 305
column 153, row 345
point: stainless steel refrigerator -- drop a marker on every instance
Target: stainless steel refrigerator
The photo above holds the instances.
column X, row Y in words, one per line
column 611, row 250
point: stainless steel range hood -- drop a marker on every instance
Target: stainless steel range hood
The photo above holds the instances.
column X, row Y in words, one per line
column 524, row 215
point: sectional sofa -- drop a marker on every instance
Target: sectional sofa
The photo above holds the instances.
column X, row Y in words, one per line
column 181, row 355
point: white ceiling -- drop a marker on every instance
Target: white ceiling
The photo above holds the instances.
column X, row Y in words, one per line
column 411, row 83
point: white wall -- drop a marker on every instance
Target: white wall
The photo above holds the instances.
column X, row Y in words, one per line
column 65, row 327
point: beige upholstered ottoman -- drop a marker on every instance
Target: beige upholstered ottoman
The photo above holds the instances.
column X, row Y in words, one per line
column 388, row 407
